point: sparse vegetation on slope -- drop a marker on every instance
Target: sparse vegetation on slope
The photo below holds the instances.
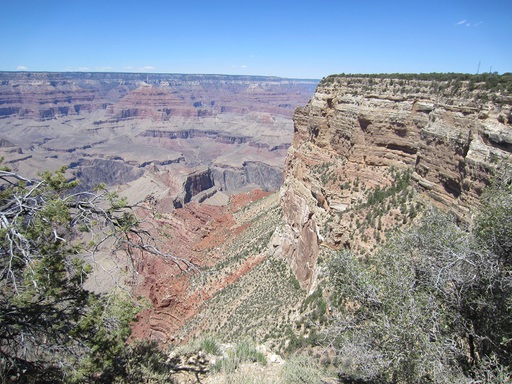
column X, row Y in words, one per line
column 262, row 297
column 433, row 304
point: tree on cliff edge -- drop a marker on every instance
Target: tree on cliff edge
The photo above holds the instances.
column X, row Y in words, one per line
column 49, row 324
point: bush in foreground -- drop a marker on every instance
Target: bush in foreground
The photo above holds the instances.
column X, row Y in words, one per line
column 434, row 304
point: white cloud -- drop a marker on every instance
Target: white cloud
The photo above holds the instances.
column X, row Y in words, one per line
column 83, row 69
column 21, row 68
column 466, row 23
column 145, row 68
column 103, row 68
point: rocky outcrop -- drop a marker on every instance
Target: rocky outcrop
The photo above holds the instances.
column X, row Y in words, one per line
column 91, row 173
column 358, row 133
column 194, row 184
column 151, row 102
column 251, row 175
column 218, row 136
column 5, row 143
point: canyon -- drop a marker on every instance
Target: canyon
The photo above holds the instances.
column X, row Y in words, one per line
column 368, row 156
column 257, row 201
column 224, row 133
column 202, row 155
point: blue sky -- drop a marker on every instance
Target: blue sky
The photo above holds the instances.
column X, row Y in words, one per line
column 300, row 39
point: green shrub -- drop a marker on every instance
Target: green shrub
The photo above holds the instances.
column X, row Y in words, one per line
column 301, row 369
column 433, row 305
column 210, row 345
column 244, row 351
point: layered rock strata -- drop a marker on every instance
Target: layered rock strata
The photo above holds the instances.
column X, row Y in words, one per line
column 129, row 122
column 358, row 133
column 203, row 184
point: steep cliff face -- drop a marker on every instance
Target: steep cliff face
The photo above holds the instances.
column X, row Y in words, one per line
column 206, row 183
column 252, row 173
column 397, row 142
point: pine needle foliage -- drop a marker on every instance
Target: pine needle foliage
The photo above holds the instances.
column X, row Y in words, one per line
column 51, row 328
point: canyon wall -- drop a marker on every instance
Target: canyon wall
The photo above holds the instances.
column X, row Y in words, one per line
column 360, row 139
column 47, row 95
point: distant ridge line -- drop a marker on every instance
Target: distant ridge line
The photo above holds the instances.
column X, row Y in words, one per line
column 142, row 76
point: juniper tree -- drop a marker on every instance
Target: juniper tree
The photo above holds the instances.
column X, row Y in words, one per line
column 48, row 322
